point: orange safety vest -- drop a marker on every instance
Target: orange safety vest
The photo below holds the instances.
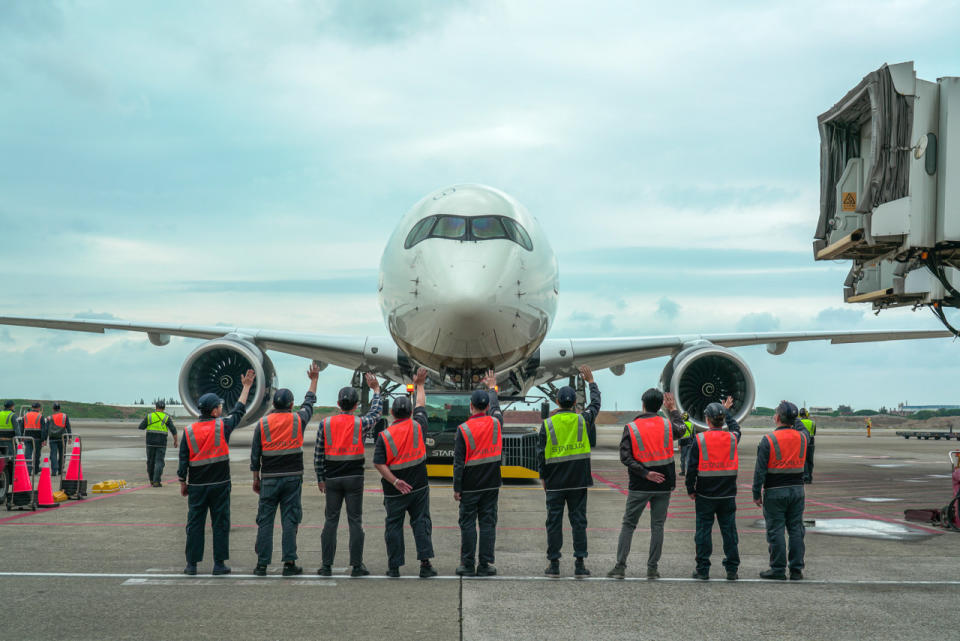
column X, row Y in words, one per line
column 343, row 438
column 788, row 452
column 404, row 443
column 59, row 419
column 718, row 453
column 32, row 421
column 281, row 433
column 652, row 440
column 484, row 440
column 206, row 443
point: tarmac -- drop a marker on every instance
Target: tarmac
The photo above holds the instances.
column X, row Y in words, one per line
column 110, row 567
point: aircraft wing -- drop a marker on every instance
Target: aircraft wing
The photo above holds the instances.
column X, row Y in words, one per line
column 561, row 357
column 351, row 352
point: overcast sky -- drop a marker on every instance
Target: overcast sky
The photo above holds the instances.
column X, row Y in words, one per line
column 244, row 162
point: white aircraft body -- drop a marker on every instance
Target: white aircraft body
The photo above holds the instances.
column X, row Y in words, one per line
column 468, row 282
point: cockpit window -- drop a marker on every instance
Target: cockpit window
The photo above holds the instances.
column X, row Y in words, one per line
column 476, row 228
column 487, row 227
column 452, row 227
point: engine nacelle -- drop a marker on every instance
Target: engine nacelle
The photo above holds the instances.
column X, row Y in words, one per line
column 705, row 373
column 218, row 365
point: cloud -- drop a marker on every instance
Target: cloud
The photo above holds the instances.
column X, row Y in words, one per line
column 5, row 336
column 839, row 317
column 92, row 315
column 386, row 21
column 758, row 322
column 667, row 309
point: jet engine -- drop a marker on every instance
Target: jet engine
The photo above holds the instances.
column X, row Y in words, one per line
column 705, row 373
column 218, row 366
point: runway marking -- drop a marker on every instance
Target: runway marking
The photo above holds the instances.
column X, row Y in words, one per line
column 137, row 579
column 94, row 497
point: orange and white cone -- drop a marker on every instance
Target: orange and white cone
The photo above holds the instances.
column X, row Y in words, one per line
column 45, row 486
column 73, row 482
column 21, row 475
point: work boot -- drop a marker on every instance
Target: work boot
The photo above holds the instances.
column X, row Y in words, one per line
column 580, row 570
column 159, row 484
column 619, row 571
column 700, row 576
column 653, row 573
column 486, row 569
column 260, row 570
column 553, row 570
column 325, row 570
column 191, row 569
column 219, row 568
column 732, row 575
column 358, row 570
column 773, row 574
column 393, row 573
column 796, row 575
column 290, row 568
column 465, row 570
column 426, row 570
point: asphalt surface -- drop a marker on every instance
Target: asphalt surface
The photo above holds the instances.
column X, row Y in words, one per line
column 109, row 567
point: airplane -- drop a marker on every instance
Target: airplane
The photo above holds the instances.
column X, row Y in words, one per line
column 469, row 282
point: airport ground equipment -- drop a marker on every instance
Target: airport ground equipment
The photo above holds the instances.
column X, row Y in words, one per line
column 108, row 487
column 949, row 515
column 21, row 495
column 72, row 483
column 890, row 190
column 930, row 435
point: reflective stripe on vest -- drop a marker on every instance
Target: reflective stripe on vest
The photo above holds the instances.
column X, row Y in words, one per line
column 652, row 440
column 788, row 452
column 206, row 443
column 342, row 440
column 404, row 443
column 156, row 422
column 718, row 457
column 281, row 433
column 810, row 425
column 32, row 421
column 566, row 438
column 485, row 431
column 6, row 420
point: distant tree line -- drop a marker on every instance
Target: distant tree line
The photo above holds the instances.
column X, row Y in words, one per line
column 169, row 401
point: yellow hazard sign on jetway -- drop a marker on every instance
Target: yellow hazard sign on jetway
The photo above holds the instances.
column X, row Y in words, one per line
column 849, row 201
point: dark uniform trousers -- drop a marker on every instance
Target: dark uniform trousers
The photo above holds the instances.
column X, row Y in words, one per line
column 783, row 510
column 479, row 506
column 725, row 511
column 155, row 456
column 686, row 444
column 216, row 499
column 31, row 452
column 347, row 490
column 576, row 503
column 417, row 504
column 283, row 492
column 56, row 456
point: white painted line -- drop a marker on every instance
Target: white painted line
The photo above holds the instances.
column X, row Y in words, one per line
column 190, row 581
column 181, row 579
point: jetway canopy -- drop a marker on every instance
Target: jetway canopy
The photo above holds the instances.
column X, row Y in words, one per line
column 890, row 189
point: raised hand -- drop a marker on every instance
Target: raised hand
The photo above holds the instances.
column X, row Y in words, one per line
column 490, row 380
column 420, row 377
column 313, row 373
column 669, row 402
column 586, row 373
column 248, row 378
column 728, row 402
column 372, row 382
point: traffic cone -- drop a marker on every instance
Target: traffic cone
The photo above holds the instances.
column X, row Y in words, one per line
column 21, row 475
column 73, row 482
column 45, row 486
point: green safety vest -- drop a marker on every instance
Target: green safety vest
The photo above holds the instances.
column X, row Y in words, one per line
column 689, row 432
column 6, row 420
column 566, row 438
column 156, row 422
column 810, row 425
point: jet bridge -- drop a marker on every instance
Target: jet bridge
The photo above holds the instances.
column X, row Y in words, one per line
column 890, row 190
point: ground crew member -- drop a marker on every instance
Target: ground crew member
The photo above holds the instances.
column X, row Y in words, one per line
column 400, row 457
column 563, row 455
column 59, row 426
column 157, row 423
column 204, row 474
column 712, row 484
column 685, row 441
column 811, row 426
column 869, row 423
column 646, row 448
column 34, row 426
column 477, row 454
column 9, row 428
column 276, row 460
column 781, row 458
column 338, row 460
